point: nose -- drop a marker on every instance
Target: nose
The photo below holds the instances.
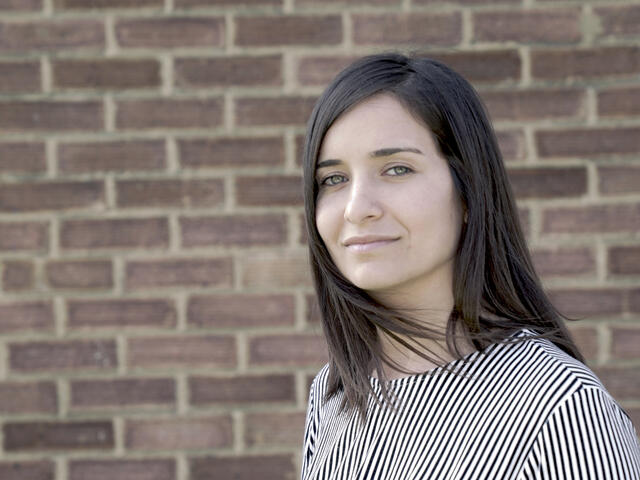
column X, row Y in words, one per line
column 363, row 203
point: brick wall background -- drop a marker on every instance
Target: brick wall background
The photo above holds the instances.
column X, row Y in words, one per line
column 155, row 304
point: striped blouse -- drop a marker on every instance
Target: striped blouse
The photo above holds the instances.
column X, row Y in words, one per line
column 523, row 410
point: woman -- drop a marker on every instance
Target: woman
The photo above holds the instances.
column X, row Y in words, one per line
column 447, row 359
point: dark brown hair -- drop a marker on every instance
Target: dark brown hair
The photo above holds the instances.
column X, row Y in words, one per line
column 496, row 290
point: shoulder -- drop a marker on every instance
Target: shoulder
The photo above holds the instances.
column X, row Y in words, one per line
column 318, row 385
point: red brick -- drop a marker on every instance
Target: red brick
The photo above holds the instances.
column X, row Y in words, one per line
column 386, row 3
column 266, row 31
column 42, row 196
column 115, row 233
column 465, row 2
column 24, row 236
column 271, row 467
column 52, row 36
column 27, row 469
column 634, row 300
column 118, row 156
column 274, row 429
column 79, row 274
column 618, row 179
column 624, row 260
column 287, row 349
column 622, row 383
column 51, row 115
column 121, row 313
column 19, row 77
column 320, row 70
column 62, row 435
column 223, row 3
column 26, row 316
column 559, row 25
column 231, row 152
column 438, row 29
column 483, row 66
column 548, row 182
column 587, row 303
column 272, row 190
column 587, row 340
column 619, row 102
column 27, row 397
column 170, row 32
column 590, row 219
column 184, row 351
column 15, row 5
column 512, row 144
column 179, row 433
column 623, row 20
column 235, row 71
column 17, row 275
column 588, row 142
column 241, row 389
column 124, row 392
column 245, row 230
column 112, row 73
column 625, row 342
column 170, row 193
column 63, row 355
column 18, row 157
column 104, row 4
column 570, row 64
column 564, row 261
column 273, row 111
column 123, row 469
column 169, row 113
column 240, row 310
column 275, row 270
column 203, row 272
column 535, row 104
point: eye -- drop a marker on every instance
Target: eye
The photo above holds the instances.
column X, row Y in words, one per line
column 399, row 170
column 332, row 180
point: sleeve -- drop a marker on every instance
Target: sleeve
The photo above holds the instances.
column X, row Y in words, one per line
column 310, row 429
column 587, row 436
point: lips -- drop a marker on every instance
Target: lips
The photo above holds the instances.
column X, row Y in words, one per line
column 368, row 240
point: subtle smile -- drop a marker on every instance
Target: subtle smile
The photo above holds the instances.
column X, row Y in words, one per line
column 365, row 244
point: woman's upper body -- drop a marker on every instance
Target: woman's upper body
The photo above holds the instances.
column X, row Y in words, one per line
column 523, row 410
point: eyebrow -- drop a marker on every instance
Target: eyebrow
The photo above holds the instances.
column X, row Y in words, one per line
column 382, row 152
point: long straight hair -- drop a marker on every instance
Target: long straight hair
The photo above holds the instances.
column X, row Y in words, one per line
column 495, row 288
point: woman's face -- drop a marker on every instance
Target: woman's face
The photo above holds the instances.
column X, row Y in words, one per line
column 387, row 209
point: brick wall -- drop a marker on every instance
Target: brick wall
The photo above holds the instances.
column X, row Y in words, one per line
column 155, row 305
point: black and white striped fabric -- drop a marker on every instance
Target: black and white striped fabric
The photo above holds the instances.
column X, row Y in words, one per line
column 520, row 411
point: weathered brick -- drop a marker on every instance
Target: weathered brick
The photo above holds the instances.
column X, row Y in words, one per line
column 20, row 77
column 634, row 300
column 17, row 275
column 231, row 152
column 170, row 193
column 624, row 260
column 170, row 32
column 437, row 29
column 103, row 4
column 512, row 144
column 115, row 233
column 202, row 350
column 51, row 116
column 548, row 182
column 62, row 435
column 106, row 73
column 179, row 433
column 123, row 469
column 118, row 156
column 25, row 316
column 179, row 272
column 465, row 2
column 597, row 218
column 52, row 35
column 587, row 303
column 54, row 195
column 273, row 111
column 558, row 25
column 587, row 142
column 271, row 467
column 619, row 102
column 288, row 30
column 386, row 3
column 483, row 66
column 287, row 349
column 319, row 70
column 15, row 5
column 23, row 236
column 223, row 3
column 275, row 270
column 620, row 20
column 27, row 469
column 618, row 179
column 240, row 310
column 245, row 230
column 623, row 383
column 271, row 429
column 235, row 71
column 241, row 389
column 624, row 343
column 27, row 397
column 169, row 113
column 121, row 313
column 125, row 392
column 535, row 104
column 79, row 274
column 569, row 64
column 272, row 190
column 19, row 157
column 564, row 261
column 586, row 338
column 63, row 355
